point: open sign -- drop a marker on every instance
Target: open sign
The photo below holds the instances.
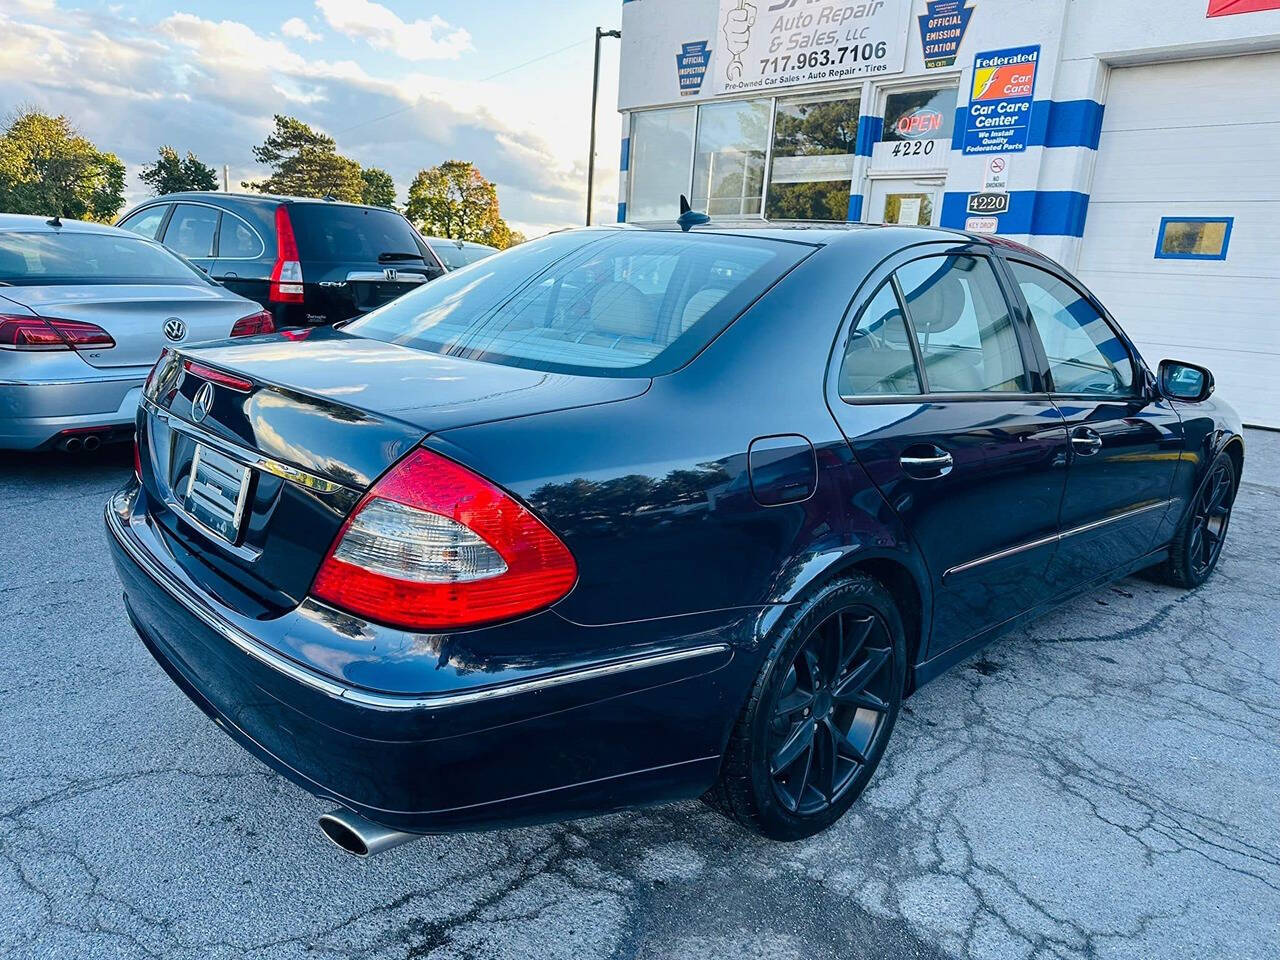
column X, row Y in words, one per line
column 919, row 123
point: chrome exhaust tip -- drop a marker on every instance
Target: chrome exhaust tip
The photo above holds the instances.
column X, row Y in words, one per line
column 92, row 443
column 72, row 444
column 358, row 836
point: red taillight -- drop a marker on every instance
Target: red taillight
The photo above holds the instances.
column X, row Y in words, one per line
column 286, row 275
column 213, row 375
column 254, row 324
column 433, row 546
column 50, row 333
column 137, row 458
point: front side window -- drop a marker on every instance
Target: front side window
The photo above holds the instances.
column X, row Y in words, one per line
column 728, row 164
column 191, row 230
column 1085, row 355
column 661, row 146
column 878, row 360
column 601, row 303
column 814, row 148
column 962, row 325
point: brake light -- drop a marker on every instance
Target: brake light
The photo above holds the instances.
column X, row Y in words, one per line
column 434, row 546
column 286, row 275
column 213, row 375
column 50, row 333
column 254, row 324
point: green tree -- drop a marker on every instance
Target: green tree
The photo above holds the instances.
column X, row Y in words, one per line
column 379, row 188
column 47, row 168
column 455, row 200
column 306, row 163
column 172, row 173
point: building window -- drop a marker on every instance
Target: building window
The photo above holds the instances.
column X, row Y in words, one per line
column 915, row 120
column 661, row 145
column 814, row 145
column 728, row 164
column 1194, row 238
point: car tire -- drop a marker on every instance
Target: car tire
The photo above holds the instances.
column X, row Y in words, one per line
column 1197, row 546
column 835, row 675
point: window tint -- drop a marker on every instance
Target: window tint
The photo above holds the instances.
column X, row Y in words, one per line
column 962, row 324
column 237, row 239
column 146, row 222
column 598, row 302
column 42, row 258
column 1085, row 356
column 334, row 232
column 878, row 359
column 191, row 229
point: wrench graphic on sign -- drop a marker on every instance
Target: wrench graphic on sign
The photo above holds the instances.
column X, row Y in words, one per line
column 737, row 36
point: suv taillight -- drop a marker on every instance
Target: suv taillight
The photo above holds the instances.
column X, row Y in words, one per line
column 433, row 546
column 286, row 275
column 254, row 324
column 50, row 333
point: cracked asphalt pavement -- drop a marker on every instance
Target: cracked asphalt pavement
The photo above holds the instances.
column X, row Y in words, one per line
column 1105, row 783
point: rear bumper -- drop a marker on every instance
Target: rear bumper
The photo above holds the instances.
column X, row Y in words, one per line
column 31, row 414
column 549, row 745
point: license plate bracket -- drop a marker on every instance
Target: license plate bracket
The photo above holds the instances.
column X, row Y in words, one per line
column 216, row 492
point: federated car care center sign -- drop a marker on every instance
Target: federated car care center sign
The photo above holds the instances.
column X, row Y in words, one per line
column 1000, row 103
column 768, row 44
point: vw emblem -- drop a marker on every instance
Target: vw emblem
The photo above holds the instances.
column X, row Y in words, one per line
column 175, row 329
column 202, row 402
column 389, row 273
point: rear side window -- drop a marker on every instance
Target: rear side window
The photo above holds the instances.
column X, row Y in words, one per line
column 1085, row 355
column 878, row 360
column 191, row 230
column 336, row 233
column 42, row 258
column 237, row 239
column 619, row 303
column 962, row 326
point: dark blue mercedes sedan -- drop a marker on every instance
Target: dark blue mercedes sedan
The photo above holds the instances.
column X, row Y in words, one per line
column 623, row 516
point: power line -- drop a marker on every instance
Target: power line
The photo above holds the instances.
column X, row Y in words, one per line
column 492, row 76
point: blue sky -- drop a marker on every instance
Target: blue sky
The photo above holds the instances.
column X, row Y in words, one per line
column 207, row 76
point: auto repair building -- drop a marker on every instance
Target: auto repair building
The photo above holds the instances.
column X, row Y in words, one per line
column 1136, row 143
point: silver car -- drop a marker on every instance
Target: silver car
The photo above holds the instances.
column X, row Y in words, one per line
column 455, row 254
column 85, row 310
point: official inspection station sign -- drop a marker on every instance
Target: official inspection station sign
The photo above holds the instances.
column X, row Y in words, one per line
column 767, row 44
column 998, row 119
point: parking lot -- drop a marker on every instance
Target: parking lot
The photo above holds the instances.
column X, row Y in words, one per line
column 1103, row 784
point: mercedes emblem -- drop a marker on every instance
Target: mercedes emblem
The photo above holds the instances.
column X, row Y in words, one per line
column 202, row 402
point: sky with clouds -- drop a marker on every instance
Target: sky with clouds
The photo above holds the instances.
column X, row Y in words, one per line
column 400, row 84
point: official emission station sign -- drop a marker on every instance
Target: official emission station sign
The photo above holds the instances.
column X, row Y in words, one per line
column 765, row 45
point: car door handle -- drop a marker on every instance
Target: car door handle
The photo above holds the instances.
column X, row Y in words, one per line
column 1085, row 441
column 926, row 463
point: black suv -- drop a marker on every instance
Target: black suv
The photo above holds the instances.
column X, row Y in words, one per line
column 307, row 261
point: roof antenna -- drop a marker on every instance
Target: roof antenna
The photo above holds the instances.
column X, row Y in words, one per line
column 54, row 221
column 690, row 218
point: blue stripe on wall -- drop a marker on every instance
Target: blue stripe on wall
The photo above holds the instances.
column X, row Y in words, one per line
column 626, row 155
column 855, row 208
column 870, row 129
column 622, row 213
column 1058, row 213
column 1054, row 123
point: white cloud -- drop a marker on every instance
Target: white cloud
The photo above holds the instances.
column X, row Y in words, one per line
column 382, row 29
column 211, row 87
column 297, row 28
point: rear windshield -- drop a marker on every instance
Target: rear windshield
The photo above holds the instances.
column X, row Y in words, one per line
column 337, row 233
column 616, row 303
column 454, row 256
column 39, row 258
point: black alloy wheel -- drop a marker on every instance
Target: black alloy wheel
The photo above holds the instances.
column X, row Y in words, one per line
column 831, row 709
column 819, row 714
column 1197, row 547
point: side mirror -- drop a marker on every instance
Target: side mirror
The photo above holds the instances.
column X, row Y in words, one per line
column 1185, row 381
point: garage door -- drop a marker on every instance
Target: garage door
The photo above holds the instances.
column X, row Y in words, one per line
column 1195, row 143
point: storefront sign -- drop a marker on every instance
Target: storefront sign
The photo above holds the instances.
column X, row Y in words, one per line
column 996, row 177
column 776, row 43
column 999, row 116
column 987, row 204
column 942, row 28
column 691, row 66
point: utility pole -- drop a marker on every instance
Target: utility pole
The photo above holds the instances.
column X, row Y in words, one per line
column 595, row 96
column 226, row 174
